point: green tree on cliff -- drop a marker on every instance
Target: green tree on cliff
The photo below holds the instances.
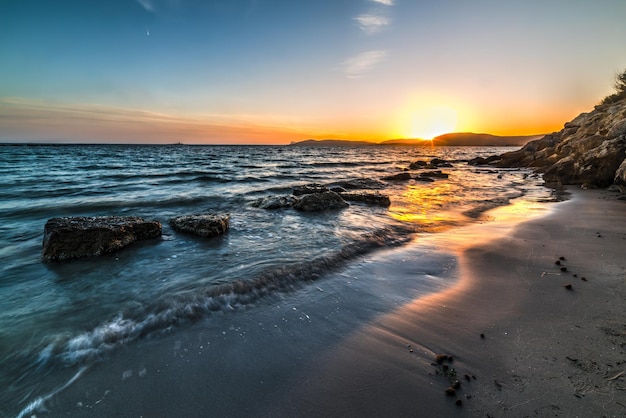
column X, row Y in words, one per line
column 620, row 87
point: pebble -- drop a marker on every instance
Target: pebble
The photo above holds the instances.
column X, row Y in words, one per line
column 563, row 268
column 459, row 402
column 568, row 286
column 450, row 391
column 440, row 358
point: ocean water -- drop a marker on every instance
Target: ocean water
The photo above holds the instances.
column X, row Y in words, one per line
column 58, row 318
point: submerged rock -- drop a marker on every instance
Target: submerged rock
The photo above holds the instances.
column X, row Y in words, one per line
column 362, row 183
column 309, row 189
column 434, row 163
column 375, row 199
column 434, row 174
column 317, row 202
column 275, row 202
column 203, row 225
column 76, row 237
column 399, row 177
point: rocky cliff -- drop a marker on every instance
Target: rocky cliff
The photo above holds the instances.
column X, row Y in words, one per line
column 590, row 150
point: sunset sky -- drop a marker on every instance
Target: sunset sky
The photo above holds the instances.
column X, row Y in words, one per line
column 276, row 71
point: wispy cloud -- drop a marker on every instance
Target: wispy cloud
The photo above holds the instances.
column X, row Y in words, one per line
column 36, row 120
column 372, row 23
column 359, row 65
column 385, row 2
column 147, row 5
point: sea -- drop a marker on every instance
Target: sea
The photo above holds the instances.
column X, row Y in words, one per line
column 59, row 318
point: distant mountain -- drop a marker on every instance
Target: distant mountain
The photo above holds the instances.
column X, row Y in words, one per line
column 330, row 143
column 454, row 139
column 467, row 139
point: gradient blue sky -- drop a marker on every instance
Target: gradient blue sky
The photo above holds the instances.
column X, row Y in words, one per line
column 274, row 71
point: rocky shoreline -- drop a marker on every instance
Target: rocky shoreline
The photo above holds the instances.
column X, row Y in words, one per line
column 589, row 151
column 71, row 238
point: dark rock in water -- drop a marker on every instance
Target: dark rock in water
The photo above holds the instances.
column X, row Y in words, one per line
column 438, row 162
column 203, row 225
column 434, row 163
column 568, row 286
column 362, row 183
column 338, row 189
column 77, row 237
column 417, row 165
column 399, row 177
column 317, row 202
column 309, row 189
column 275, row 202
column 437, row 174
column 424, row 179
column 483, row 161
column 375, row 199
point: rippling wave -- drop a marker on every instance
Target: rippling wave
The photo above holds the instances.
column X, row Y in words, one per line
column 65, row 315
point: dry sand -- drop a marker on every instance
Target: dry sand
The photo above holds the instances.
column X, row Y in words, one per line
column 522, row 343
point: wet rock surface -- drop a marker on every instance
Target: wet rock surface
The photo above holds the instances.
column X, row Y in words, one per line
column 77, row 237
column 317, row 202
column 204, row 225
column 374, row 199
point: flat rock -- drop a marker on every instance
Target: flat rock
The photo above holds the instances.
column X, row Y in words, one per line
column 375, row 199
column 362, row 183
column 309, row 189
column 206, row 225
column 317, row 202
column 399, row 177
column 77, row 237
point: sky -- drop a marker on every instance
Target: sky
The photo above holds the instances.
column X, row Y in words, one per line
column 277, row 71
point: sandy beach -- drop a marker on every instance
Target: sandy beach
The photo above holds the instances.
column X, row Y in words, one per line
column 525, row 337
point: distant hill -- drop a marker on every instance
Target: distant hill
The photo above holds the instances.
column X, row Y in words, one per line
column 467, row 139
column 456, row 139
column 330, row 143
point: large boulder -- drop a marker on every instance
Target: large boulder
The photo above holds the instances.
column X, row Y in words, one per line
column 620, row 177
column 76, row 237
column 206, row 225
column 317, row 202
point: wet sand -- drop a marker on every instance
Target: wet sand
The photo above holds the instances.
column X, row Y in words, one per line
column 361, row 346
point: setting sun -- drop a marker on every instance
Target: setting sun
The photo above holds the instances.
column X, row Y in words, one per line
column 429, row 122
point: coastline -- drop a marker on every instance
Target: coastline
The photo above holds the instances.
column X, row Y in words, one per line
column 546, row 349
